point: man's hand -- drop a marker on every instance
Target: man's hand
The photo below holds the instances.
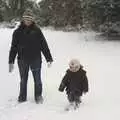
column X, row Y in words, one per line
column 11, row 67
column 49, row 64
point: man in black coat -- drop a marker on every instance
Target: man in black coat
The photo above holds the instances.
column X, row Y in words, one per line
column 27, row 43
column 75, row 82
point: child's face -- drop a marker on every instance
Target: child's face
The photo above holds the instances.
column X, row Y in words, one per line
column 74, row 68
column 74, row 65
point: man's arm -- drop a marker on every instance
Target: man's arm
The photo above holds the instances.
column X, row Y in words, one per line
column 45, row 49
column 13, row 50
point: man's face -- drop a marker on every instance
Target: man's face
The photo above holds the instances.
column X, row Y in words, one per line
column 27, row 22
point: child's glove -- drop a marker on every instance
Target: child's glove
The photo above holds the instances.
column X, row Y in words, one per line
column 85, row 92
column 62, row 87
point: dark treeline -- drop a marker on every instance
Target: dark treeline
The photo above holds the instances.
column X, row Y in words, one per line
column 102, row 15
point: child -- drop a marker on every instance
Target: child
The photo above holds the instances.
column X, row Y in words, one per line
column 75, row 82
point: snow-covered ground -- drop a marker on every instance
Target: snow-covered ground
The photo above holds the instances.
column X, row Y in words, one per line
column 101, row 60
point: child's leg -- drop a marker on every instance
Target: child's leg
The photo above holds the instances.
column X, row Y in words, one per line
column 70, row 97
column 74, row 101
column 77, row 100
column 71, row 101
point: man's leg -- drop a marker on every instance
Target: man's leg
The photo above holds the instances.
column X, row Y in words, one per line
column 36, row 71
column 23, row 69
column 37, row 83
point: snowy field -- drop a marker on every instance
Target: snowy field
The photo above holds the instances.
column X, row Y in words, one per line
column 101, row 60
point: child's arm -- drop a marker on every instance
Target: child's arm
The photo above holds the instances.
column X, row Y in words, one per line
column 63, row 84
column 85, row 84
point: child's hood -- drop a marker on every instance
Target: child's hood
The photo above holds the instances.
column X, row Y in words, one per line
column 80, row 70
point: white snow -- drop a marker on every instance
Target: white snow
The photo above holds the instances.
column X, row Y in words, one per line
column 101, row 60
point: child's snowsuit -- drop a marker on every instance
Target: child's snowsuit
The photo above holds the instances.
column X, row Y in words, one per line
column 75, row 83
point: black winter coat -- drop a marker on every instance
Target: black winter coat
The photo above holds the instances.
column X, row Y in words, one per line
column 74, row 82
column 28, row 43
